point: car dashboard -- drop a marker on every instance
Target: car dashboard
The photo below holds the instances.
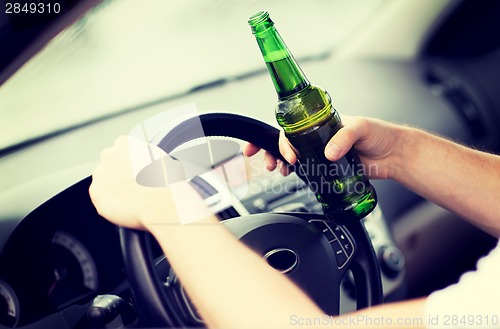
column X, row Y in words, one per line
column 63, row 254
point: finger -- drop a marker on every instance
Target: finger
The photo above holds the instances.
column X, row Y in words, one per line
column 137, row 153
column 345, row 138
column 286, row 149
column 105, row 154
column 284, row 169
column 270, row 161
column 250, row 149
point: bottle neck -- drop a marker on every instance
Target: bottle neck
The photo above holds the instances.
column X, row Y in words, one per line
column 286, row 74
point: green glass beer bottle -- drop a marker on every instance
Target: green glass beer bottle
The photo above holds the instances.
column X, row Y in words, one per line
column 309, row 120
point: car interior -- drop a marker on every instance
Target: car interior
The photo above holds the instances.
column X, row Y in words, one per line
column 82, row 73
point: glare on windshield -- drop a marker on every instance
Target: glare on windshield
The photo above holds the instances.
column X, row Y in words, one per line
column 126, row 53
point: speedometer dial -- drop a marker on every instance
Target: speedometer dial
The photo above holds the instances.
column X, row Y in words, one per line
column 9, row 305
column 74, row 271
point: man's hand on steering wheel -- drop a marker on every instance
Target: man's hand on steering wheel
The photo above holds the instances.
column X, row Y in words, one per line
column 118, row 196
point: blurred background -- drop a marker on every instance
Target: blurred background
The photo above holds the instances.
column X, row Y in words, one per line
column 123, row 54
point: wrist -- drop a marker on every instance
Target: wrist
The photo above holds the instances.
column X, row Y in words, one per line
column 179, row 205
column 404, row 149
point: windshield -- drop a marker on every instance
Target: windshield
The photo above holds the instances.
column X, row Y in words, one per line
column 124, row 54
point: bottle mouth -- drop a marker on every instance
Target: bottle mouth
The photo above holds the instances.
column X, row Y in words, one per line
column 258, row 18
column 260, row 22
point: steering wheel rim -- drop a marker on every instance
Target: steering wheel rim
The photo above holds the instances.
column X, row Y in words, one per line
column 156, row 305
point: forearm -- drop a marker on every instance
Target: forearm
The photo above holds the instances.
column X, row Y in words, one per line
column 230, row 285
column 461, row 179
column 233, row 287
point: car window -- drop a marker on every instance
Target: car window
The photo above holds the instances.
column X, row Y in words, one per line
column 124, row 54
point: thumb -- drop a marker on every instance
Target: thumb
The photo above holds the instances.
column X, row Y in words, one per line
column 344, row 140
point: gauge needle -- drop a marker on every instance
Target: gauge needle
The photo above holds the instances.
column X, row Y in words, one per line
column 57, row 277
column 52, row 287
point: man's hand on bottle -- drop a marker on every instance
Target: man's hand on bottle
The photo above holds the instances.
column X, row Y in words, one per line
column 378, row 144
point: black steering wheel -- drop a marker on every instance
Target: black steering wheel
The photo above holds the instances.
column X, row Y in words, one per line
column 313, row 252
